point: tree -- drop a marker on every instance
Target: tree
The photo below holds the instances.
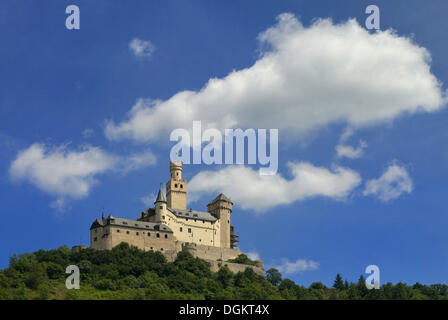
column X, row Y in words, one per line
column 274, row 276
column 361, row 286
column 338, row 283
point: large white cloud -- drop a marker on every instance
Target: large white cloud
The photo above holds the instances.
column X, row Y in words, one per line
column 306, row 78
column 250, row 190
column 70, row 174
column 394, row 181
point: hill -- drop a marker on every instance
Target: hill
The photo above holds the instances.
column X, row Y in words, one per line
column 129, row 273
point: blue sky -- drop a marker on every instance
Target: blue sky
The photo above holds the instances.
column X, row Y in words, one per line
column 61, row 89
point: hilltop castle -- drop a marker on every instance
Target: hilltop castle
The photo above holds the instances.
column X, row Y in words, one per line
column 170, row 228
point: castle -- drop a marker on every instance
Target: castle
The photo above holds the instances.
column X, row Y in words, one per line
column 170, row 228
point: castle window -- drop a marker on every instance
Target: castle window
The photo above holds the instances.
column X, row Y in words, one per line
column 189, row 230
column 160, row 207
column 127, row 232
column 95, row 239
column 136, row 233
column 175, row 185
column 149, row 234
column 96, row 230
column 163, row 217
column 166, row 236
column 161, row 249
column 158, row 235
column 118, row 230
column 181, row 186
column 180, row 229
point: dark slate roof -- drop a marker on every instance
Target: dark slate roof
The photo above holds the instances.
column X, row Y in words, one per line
column 221, row 197
column 147, row 213
column 143, row 225
column 192, row 214
column 97, row 223
column 160, row 197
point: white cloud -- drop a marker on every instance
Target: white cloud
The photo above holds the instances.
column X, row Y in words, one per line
column 141, row 48
column 350, row 152
column 137, row 161
column 306, row 78
column 393, row 183
column 252, row 191
column 298, row 266
column 252, row 255
column 69, row 174
column 148, row 200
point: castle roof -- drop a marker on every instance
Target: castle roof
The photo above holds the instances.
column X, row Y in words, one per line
column 221, row 197
column 127, row 223
column 160, row 196
column 192, row 214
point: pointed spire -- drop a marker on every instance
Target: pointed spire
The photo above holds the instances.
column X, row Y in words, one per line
column 160, row 196
column 102, row 214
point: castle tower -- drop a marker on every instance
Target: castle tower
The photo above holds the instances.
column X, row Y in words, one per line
column 176, row 188
column 221, row 208
column 159, row 205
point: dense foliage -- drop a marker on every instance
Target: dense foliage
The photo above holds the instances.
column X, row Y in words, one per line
column 129, row 273
column 243, row 259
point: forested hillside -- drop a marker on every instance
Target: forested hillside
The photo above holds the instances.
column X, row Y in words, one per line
column 130, row 273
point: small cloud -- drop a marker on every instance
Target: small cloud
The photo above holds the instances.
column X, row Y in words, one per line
column 298, row 266
column 88, row 133
column 350, row 152
column 141, row 48
column 390, row 185
column 252, row 255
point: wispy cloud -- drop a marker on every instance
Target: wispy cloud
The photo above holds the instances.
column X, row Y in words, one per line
column 298, row 266
column 141, row 48
column 394, row 181
column 346, row 151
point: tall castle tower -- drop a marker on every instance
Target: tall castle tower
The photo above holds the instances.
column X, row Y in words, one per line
column 221, row 208
column 176, row 188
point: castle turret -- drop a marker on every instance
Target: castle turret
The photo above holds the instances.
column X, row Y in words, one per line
column 221, row 208
column 159, row 206
column 176, row 188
